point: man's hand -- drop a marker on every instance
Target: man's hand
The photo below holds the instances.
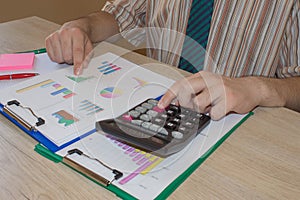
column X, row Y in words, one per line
column 69, row 45
column 73, row 42
column 215, row 94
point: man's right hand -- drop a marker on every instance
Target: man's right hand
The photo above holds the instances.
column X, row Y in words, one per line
column 69, row 45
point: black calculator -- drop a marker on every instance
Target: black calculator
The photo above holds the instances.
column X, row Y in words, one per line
column 161, row 132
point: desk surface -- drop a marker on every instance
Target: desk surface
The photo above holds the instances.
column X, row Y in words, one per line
column 259, row 161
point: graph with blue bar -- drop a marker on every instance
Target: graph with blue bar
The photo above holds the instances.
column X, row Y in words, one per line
column 89, row 108
column 108, row 68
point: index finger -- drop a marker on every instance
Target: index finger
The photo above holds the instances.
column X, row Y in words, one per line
column 183, row 89
column 78, row 54
column 169, row 96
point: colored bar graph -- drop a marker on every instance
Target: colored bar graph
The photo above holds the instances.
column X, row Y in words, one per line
column 108, row 68
column 145, row 162
column 41, row 84
column 59, row 91
column 89, row 108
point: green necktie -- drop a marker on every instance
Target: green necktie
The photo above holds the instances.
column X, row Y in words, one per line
column 192, row 57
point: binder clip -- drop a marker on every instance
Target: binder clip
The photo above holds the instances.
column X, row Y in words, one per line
column 20, row 120
column 117, row 174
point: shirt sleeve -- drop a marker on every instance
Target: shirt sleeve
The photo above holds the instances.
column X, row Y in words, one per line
column 289, row 55
column 130, row 16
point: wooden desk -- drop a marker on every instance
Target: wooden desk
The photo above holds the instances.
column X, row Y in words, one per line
column 261, row 160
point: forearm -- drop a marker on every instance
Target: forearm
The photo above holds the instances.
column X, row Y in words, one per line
column 98, row 26
column 280, row 92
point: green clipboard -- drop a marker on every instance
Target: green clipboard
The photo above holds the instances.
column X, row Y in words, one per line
column 168, row 190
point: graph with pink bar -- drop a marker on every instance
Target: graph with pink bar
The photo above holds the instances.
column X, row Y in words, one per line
column 144, row 162
column 58, row 88
column 108, row 68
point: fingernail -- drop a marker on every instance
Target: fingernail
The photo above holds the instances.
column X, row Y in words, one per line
column 78, row 71
column 160, row 104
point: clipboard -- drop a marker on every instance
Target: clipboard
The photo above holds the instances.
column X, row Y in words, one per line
column 31, row 129
column 55, row 92
column 165, row 193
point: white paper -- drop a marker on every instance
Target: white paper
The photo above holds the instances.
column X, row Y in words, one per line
column 71, row 105
column 145, row 175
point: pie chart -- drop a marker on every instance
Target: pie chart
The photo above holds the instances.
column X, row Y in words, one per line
column 111, row 92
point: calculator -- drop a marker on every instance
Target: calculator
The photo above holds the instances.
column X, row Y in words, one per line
column 161, row 132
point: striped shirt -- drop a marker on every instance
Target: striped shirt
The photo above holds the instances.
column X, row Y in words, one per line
column 247, row 38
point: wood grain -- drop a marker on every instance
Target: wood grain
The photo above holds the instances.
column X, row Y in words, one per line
column 260, row 160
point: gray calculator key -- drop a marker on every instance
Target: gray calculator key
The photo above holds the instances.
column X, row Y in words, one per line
column 145, row 117
column 137, row 122
column 163, row 131
column 153, row 102
column 159, row 121
column 152, row 113
column 146, row 125
column 199, row 115
column 147, row 105
column 165, row 116
column 134, row 113
column 141, row 109
column 154, row 127
column 188, row 124
column 177, row 135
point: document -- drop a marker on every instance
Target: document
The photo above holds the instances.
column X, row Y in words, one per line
column 146, row 176
column 70, row 105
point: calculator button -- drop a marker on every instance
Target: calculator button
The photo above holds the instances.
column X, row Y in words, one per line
column 183, row 129
column 177, row 135
column 147, row 105
column 134, row 113
column 181, row 116
column 194, row 120
column 171, row 113
column 126, row 117
column 158, row 121
column 154, row 127
column 186, row 112
column 141, row 109
column 199, row 115
column 176, row 109
column 146, row 125
column 137, row 122
column 152, row 113
column 176, row 121
column 153, row 102
column 164, row 116
column 170, row 126
column 145, row 117
column 157, row 109
column 163, row 131
column 188, row 124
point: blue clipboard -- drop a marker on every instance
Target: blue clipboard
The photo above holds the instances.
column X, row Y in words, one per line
column 37, row 135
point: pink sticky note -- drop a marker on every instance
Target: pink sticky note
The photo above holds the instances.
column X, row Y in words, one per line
column 19, row 61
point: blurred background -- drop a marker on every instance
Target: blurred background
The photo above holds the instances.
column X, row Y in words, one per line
column 58, row 11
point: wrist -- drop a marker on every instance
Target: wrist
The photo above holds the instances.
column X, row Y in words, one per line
column 270, row 90
column 81, row 24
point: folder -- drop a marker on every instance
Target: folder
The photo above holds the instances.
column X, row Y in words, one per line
column 165, row 192
column 59, row 112
column 68, row 110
